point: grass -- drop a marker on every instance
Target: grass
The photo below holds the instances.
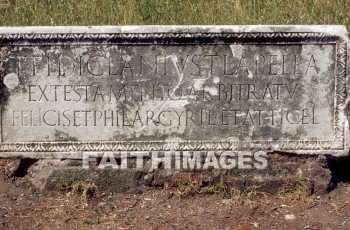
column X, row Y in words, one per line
column 221, row 186
column 180, row 12
column 85, row 189
column 78, row 187
column 249, row 196
column 185, row 190
column 194, row 187
column 299, row 190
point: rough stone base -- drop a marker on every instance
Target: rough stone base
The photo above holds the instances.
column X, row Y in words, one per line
column 282, row 170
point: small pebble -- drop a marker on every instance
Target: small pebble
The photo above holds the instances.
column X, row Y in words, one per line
column 289, row 217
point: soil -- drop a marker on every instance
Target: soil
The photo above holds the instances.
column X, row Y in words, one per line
column 24, row 207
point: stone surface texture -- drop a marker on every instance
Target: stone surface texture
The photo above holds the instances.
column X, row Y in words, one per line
column 69, row 90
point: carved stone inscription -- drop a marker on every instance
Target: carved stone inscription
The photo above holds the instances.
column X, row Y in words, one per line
column 266, row 95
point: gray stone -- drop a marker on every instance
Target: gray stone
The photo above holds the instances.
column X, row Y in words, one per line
column 201, row 210
column 148, row 179
column 320, row 176
column 102, row 204
column 227, row 201
column 69, row 90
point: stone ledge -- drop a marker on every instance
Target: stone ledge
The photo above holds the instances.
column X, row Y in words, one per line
column 283, row 170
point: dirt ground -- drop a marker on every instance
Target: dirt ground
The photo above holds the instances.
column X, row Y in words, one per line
column 23, row 207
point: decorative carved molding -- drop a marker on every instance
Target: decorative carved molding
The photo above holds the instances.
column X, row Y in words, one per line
column 164, row 38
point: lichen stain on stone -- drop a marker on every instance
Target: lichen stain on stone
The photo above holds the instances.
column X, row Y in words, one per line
column 11, row 81
column 63, row 136
column 4, row 92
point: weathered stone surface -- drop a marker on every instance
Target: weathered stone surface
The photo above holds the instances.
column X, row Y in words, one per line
column 284, row 171
column 320, row 177
column 65, row 91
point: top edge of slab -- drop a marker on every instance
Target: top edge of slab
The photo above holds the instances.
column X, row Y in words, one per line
column 335, row 30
